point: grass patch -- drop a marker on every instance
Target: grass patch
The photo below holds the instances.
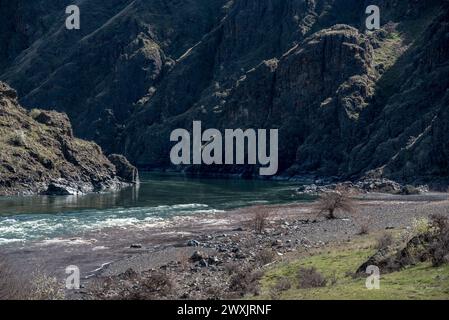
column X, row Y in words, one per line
column 390, row 50
column 421, row 281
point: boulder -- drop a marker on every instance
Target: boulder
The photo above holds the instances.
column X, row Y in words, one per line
column 7, row 91
column 57, row 189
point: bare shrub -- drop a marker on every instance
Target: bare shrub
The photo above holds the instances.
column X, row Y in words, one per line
column 39, row 286
column 131, row 285
column 214, row 293
column 310, row 278
column 44, row 287
column 183, row 258
column 384, row 241
column 245, row 281
column 364, row 229
column 260, row 220
column 332, row 202
column 265, row 257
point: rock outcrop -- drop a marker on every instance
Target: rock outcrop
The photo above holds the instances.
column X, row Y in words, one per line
column 39, row 154
column 125, row 170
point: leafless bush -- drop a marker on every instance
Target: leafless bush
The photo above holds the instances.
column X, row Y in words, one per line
column 283, row 284
column 332, row 280
column 364, row 229
column 260, row 220
column 245, row 281
column 183, row 258
column 159, row 283
column 264, row 257
column 384, row 241
column 131, row 285
column 310, row 278
column 334, row 201
column 214, row 293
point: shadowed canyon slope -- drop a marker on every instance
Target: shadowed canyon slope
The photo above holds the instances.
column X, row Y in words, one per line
column 348, row 102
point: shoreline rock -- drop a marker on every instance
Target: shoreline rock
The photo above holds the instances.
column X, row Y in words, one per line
column 365, row 186
column 125, row 170
column 40, row 155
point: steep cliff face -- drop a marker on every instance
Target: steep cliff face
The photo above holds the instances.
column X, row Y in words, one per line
column 39, row 154
column 418, row 112
column 99, row 74
column 348, row 102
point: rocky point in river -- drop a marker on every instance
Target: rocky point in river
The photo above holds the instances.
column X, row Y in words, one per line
column 39, row 154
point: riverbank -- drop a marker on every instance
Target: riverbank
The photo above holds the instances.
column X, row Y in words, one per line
column 201, row 254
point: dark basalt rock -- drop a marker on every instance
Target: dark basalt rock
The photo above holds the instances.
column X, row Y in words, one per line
column 7, row 92
column 56, row 189
column 125, row 170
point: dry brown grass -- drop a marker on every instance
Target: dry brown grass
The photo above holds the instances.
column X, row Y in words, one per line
column 231, row 268
column 245, row 281
column 38, row 286
column 152, row 285
column 183, row 258
column 11, row 286
column 282, row 284
column 45, row 287
column 265, row 256
column 364, row 229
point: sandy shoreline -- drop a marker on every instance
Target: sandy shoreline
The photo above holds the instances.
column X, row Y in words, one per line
column 293, row 227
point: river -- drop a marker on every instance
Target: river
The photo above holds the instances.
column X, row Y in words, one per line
column 159, row 197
